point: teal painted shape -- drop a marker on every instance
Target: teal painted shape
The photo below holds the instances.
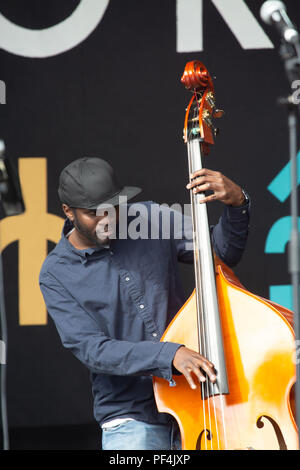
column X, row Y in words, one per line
column 280, row 186
column 282, row 295
column 276, row 241
column 279, row 234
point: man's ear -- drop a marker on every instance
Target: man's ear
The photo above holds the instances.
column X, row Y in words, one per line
column 68, row 212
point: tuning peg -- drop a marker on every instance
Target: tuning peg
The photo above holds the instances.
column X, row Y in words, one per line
column 218, row 113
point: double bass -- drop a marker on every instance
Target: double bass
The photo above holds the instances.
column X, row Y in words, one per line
column 250, row 340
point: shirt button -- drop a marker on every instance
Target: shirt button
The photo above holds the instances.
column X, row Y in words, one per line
column 154, row 334
column 243, row 212
column 111, row 252
column 127, row 278
column 142, row 306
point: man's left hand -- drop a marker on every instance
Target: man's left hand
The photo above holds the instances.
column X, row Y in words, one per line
column 223, row 188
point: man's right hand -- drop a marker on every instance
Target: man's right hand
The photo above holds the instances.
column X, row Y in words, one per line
column 187, row 361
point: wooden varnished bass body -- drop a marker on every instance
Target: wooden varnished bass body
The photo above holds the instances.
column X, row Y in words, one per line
column 258, row 346
column 249, row 339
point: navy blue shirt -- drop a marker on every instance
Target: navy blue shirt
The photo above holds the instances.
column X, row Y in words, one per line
column 112, row 305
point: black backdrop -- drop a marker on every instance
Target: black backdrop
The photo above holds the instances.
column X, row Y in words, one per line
column 118, row 95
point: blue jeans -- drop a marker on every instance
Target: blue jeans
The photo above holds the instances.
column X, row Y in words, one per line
column 138, row 435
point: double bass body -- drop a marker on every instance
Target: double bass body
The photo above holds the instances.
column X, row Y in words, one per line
column 258, row 346
column 249, row 340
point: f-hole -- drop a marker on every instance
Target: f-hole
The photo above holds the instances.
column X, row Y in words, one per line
column 281, row 442
column 208, row 436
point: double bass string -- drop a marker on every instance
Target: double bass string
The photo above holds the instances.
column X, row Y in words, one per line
column 199, row 297
column 199, row 300
column 202, row 324
column 206, row 351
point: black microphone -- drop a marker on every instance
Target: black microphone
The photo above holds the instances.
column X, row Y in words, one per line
column 274, row 12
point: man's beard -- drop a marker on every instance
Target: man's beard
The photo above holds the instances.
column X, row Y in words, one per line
column 91, row 236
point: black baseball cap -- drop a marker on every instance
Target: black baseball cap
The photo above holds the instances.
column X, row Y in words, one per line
column 90, row 182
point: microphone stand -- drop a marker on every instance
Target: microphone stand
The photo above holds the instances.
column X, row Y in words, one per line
column 11, row 201
column 290, row 54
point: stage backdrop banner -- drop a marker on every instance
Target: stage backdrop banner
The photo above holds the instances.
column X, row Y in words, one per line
column 102, row 78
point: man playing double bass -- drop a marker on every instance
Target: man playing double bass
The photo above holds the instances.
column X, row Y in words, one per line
column 111, row 297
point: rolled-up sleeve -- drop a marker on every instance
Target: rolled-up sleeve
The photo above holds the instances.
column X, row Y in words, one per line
column 81, row 334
